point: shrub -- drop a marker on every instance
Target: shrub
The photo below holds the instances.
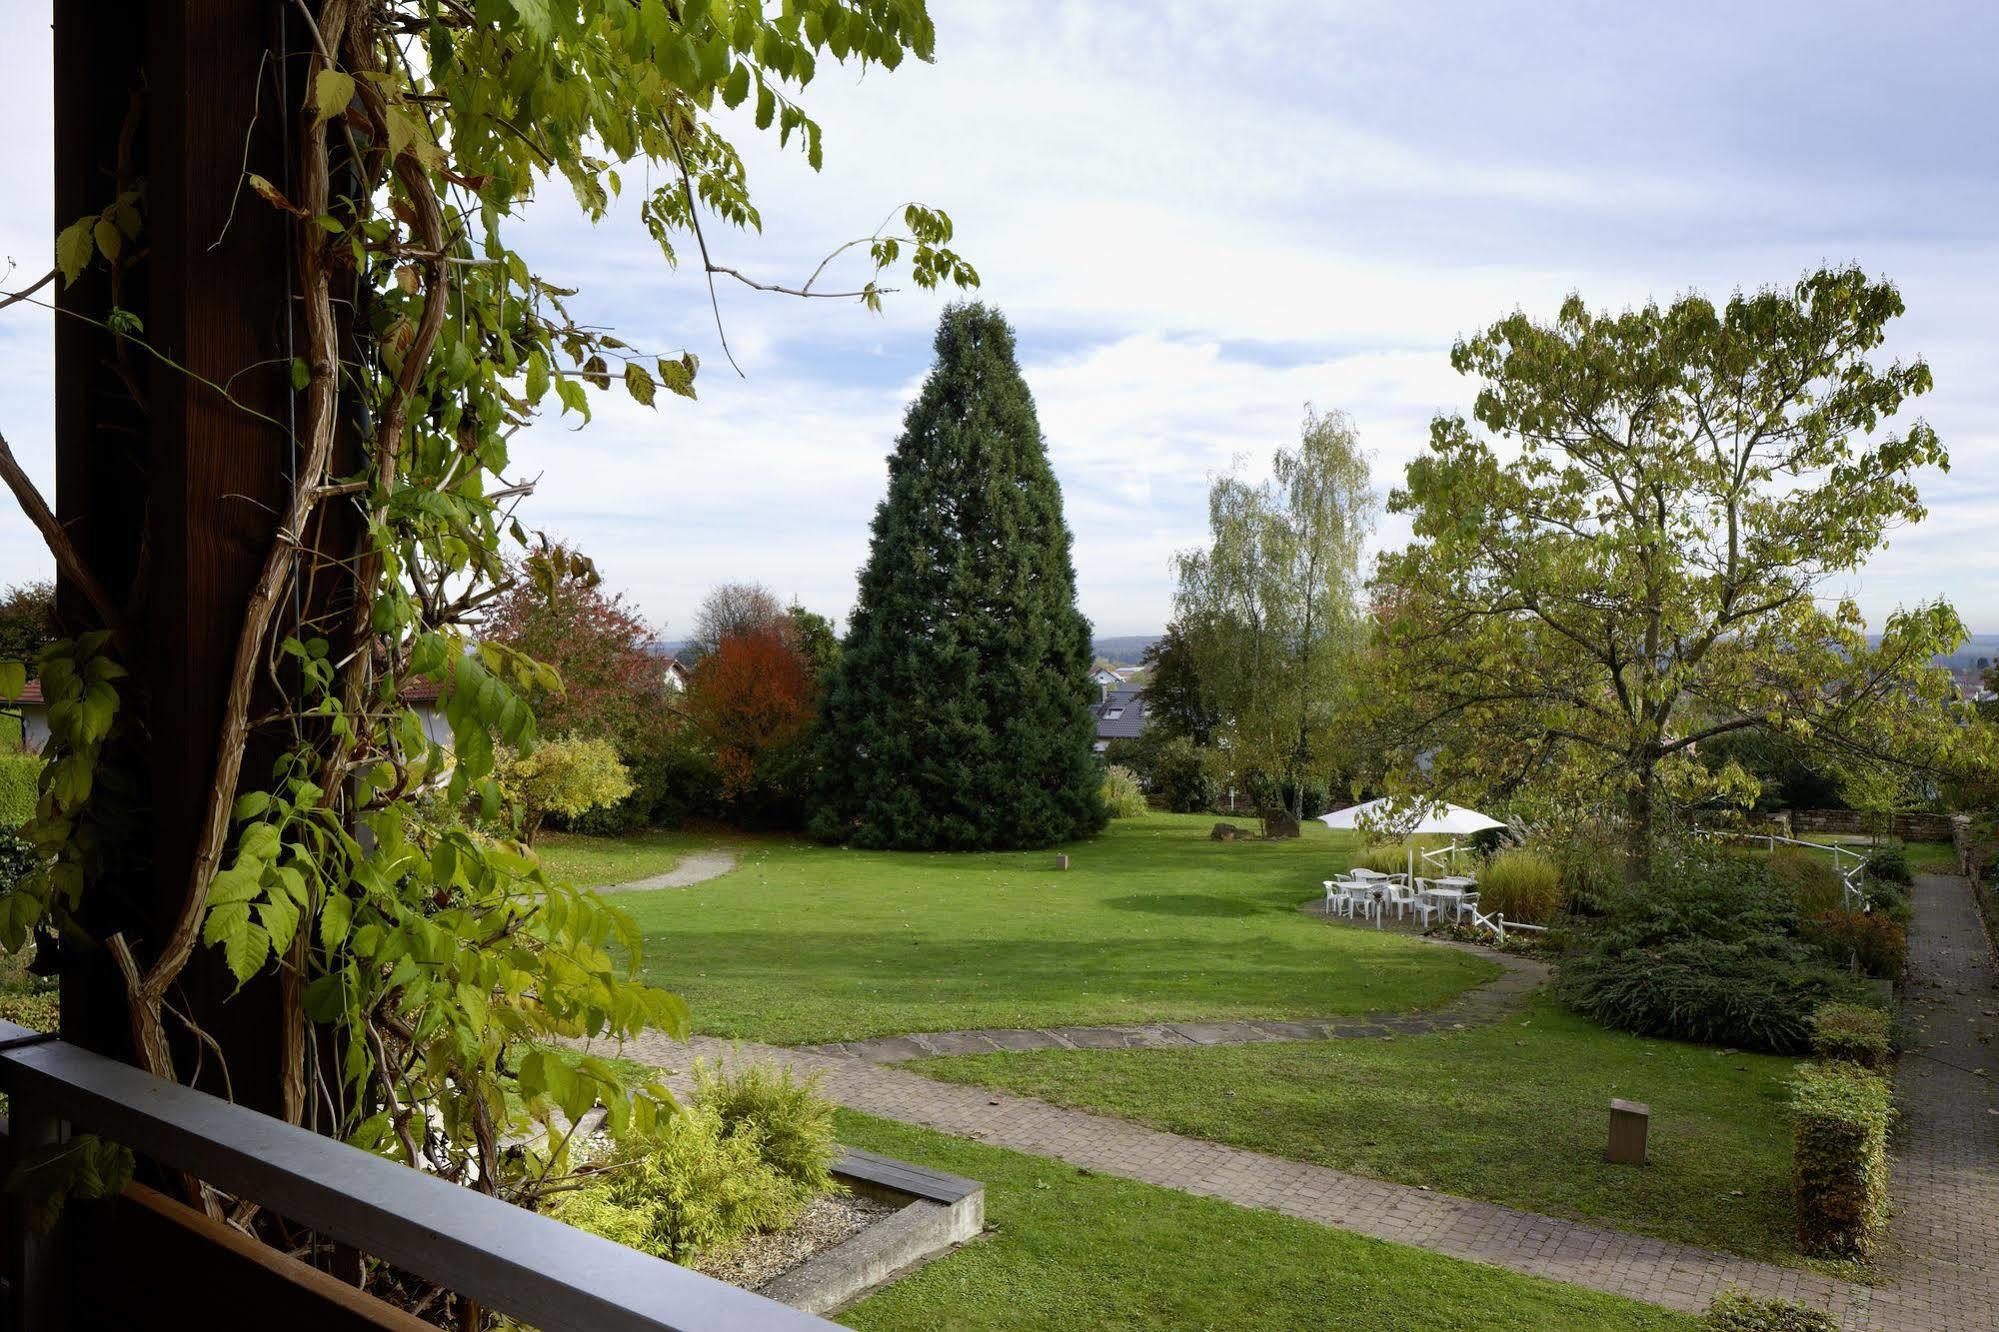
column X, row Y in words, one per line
column 1872, row 938
column 1733, row 1311
column 567, row 776
column 17, row 858
column 1889, row 864
column 1393, row 857
column 692, row 1187
column 790, row 1120
column 1121, row 795
column 1839, row 1165
column 1183, row 780
column 1852, row 1033
column 1524, row 884
column 19, row 775
column 1813, row 881
column 1706, row 951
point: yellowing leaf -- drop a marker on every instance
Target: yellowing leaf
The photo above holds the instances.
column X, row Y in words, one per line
column 105, row 233
column 331, row 92
column 74, row 247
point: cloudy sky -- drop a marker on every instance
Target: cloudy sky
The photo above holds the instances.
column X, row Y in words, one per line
column 1202, row 216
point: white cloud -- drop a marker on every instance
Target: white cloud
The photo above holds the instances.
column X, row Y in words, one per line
column 1200, row 217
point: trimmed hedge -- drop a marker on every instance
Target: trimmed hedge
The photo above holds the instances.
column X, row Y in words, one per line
column 1840, row 1115
column 1733, row 1311
column 19, row 776
column 1851, row 1033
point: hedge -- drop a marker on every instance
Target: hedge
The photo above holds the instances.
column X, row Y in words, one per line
column 1852, row 1034
column 1839, row 1167
column 19, row 774
column 1733, row 1311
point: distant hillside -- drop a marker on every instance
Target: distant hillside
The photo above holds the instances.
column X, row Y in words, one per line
column 1124, row 651
column 1979, row 645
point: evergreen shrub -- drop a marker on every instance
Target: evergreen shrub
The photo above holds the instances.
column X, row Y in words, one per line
column 1734, row 1311
column 1851, row 1033
column 1840, row 1115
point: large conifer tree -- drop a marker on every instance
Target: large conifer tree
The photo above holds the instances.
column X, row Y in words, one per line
column 960, row 714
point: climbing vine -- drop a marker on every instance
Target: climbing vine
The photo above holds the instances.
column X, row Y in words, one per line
column 431, row 972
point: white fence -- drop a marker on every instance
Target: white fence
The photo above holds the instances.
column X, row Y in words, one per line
column 1852, row 896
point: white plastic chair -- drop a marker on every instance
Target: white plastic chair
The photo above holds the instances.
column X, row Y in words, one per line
column 1403, row 898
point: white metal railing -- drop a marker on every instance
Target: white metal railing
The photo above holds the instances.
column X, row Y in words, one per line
column 1852, row 896
column 1497, row 923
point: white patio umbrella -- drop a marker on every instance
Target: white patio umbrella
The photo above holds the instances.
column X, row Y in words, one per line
column 1430, row 816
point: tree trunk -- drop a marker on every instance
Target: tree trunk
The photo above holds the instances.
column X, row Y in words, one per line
column 1640, row 813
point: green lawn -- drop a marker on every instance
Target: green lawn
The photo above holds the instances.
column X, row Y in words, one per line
column 593, row 862
column 1514, row 1113
column 805, row 943
column 1067, row 1249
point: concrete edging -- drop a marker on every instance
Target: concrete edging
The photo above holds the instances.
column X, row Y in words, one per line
column 939, row 1212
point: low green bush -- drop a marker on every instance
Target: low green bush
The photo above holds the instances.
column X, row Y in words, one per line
column 1852, row 1033
column 1840, row 1114
column 790, row 1120
column 1708, row 950
column 692, row 1188
column 1872, row 938
column 1813, row 881
column 1122, row 796
column 1889, row 864
column 1734, row 1311
column 1524, row 884
column 19, row 775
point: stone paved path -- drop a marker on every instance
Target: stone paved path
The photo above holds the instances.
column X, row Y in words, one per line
column 1944, row 1241
column 692, row 868
column 1481, row 1004
column 1608, row 1260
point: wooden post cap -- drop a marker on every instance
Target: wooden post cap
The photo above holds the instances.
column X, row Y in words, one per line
column 1629, row 1121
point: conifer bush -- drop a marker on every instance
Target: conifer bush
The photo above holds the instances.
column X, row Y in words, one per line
column 959, row 713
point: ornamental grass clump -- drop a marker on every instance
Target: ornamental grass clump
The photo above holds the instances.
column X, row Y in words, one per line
column 1813, row 881
column 1840, row 1114
column 1853, row 1034
column 1735, row 1311
column 1522, row 884
column 1122, row 796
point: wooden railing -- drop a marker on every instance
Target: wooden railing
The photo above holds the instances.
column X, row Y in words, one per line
column 533, row 1269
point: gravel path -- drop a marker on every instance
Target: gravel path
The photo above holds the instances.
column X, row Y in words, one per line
column 692, row 868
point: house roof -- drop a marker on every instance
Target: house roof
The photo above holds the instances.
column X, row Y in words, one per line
column 1121, row 714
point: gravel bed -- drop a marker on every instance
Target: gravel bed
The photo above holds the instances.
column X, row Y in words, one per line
column 762, row 1259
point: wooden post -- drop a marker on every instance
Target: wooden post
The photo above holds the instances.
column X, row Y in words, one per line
column 170, row 489
column 1629, row 1121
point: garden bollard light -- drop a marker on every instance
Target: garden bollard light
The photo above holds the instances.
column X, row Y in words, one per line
column 1628, row 1123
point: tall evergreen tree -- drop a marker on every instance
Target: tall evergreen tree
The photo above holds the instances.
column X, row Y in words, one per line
column 959, row 716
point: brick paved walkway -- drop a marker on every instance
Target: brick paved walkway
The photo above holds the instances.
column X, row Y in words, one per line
column 1944, row 1241
column 1481, row 1004
column 1608, row 1260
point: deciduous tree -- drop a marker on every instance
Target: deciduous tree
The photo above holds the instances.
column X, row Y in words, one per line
column 1271, row 610
column 959, row 716
column 754, row 699
column 1635, row 564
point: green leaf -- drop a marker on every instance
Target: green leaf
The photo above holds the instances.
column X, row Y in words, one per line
column 335, row 919
column 74, row 246
column 13, row 679
column 332, row 90
column 250, row 804
column 537, row 384
column 573, row 397
column 109, row 242
column 534, row 17
column 736, row 87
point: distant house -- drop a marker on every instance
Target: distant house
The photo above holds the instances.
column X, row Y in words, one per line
column 421, row 696
column 1120, row 715
column 674, row 676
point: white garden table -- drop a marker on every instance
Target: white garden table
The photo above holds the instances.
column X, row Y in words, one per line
column 1451, row 891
